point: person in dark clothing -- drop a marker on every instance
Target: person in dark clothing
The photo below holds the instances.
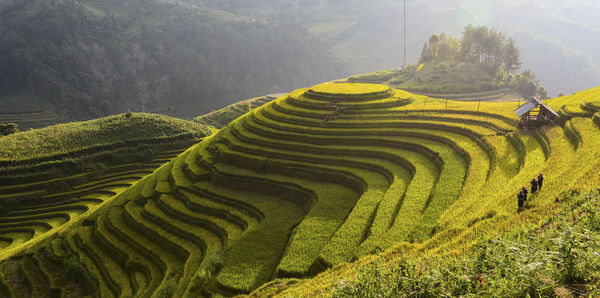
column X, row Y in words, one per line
column 540, row 181
column 525, row 192
column 521, row 199
column 534, row 185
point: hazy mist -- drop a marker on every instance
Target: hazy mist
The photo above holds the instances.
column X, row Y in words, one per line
column 558, row 39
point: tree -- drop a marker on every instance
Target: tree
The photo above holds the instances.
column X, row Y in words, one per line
column 480, row 35
column 425, row 54
column 7, row 129
column 494, row 48
column 434, row 42
column 471, row 43
column 512, row 56
column 444, row 51
column 527, row 86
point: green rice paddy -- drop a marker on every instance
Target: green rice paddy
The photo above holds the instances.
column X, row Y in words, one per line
column 296, row 189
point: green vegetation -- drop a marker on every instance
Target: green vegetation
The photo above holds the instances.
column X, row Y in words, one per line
column 88, row 59
column 50, row 177
column 73, row 147
column 453, row 78
column 349, row 90
column 8, row 129
column 448, row 77
column 483, row 60
column 559, row 258
column 288, row 191
column 220, row 118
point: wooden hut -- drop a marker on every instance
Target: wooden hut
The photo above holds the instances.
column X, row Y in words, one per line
column 530, row 117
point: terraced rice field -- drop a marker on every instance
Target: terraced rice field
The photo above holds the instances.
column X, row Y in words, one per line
column 494, row 95
column 220, row 118
column 297, row 186
column 50, row 205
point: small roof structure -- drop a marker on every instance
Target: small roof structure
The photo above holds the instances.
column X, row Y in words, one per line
column 532, row 104
column 549, row 109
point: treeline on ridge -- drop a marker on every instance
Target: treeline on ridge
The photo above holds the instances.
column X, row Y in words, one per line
column 490, row 47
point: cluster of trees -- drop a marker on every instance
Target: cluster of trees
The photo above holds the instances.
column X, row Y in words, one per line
column 149, row 55
column 440, row 47
column 490, row 48
column 478, row 44
column 8, row 129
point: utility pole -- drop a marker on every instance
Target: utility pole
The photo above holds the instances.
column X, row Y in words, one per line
column 404, row 53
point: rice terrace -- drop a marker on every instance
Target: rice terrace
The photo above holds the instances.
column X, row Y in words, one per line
column 455, row 176
column 279, row 193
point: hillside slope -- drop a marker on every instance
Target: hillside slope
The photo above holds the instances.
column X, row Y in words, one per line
column 319, row 177
column 90, row 58
column 458, row 80
column 69, row 147
column 221, row 117
column 50, row 177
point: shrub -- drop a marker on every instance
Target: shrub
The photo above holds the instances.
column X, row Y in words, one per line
column 215, row 263
column 7, row 129
column 167, row 289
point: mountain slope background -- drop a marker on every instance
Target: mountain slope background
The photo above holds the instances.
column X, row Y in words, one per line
column 92, row 58
column 558, row 39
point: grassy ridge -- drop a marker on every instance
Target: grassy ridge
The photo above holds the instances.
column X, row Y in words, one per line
column 459, row 80
column 438, row 77
column 76, row 138
column 220, row 118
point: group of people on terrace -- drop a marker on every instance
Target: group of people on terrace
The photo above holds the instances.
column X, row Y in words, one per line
column 536, row 184
column 338, row 112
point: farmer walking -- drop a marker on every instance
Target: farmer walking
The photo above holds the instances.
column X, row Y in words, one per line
column 524, row 191
column 534, row 185
column 540, row 181
column 521, row 199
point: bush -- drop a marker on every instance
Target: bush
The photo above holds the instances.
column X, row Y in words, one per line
column 8, row 129
column 167, row 289
column 204, row 280
column 215, row 263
